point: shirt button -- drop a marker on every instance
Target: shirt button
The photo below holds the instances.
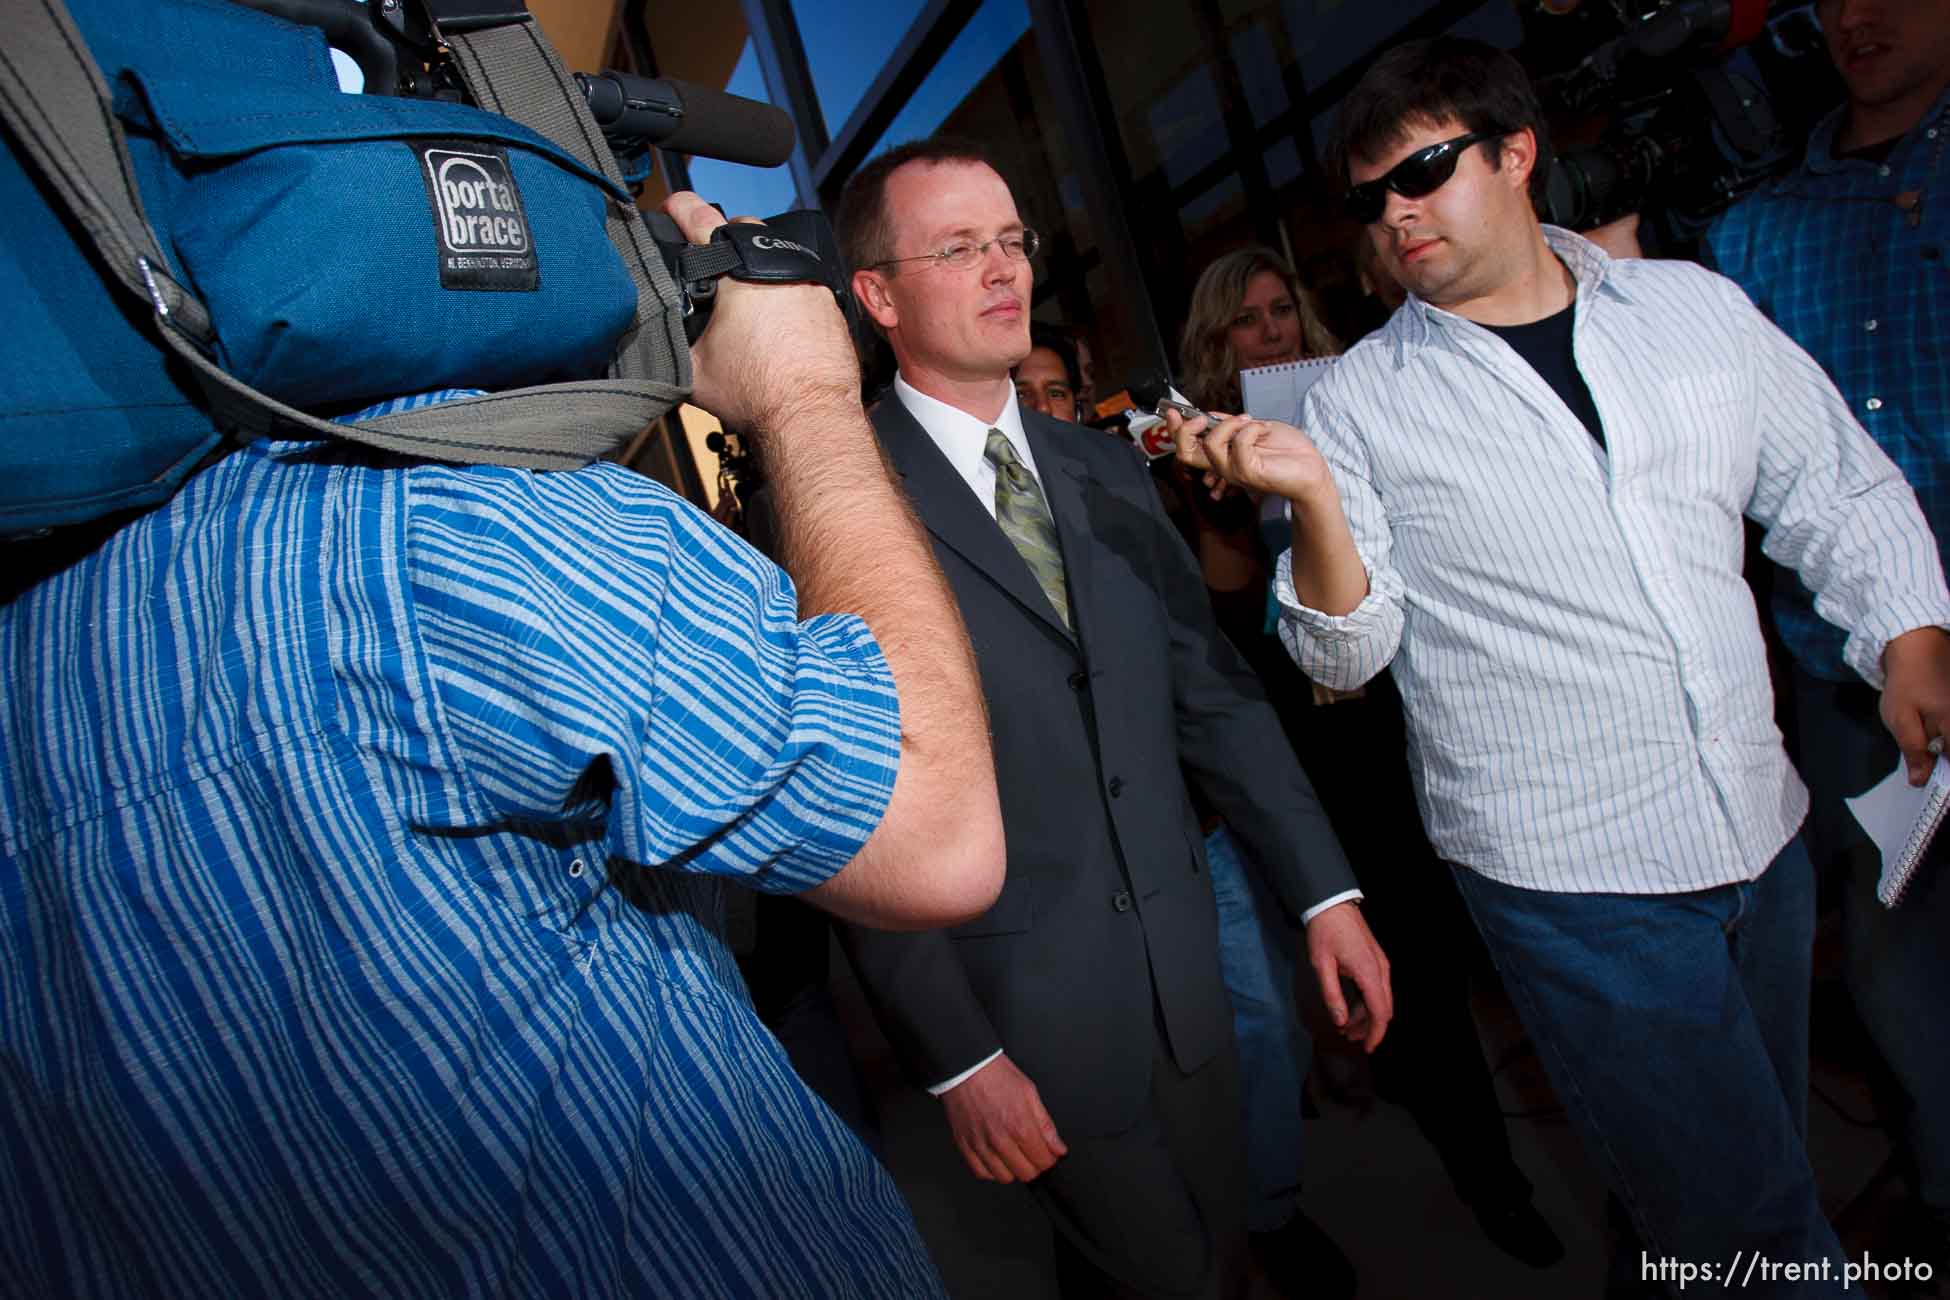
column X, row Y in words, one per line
column 1116, row 786
column 1120, row 901
column 575, row 867
column 1870, row 324
column 1874, row 403
column 1883, row 170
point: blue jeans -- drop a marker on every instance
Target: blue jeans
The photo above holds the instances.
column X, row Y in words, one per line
column 1256, row 962
column 1675, row 1030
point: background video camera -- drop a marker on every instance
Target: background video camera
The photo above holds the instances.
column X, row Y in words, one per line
column 1695, row 103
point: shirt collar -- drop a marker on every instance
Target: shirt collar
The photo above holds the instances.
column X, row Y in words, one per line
column 963, row 439
column 1594, row 271
column 1821, row 142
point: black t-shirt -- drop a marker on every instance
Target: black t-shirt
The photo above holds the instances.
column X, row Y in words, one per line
column 1546, row 345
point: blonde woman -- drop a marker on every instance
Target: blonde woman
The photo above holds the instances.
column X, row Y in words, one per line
column 1248, row 309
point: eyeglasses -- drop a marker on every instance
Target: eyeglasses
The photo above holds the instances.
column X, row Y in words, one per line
column 1017, row 246
column 1420, row 174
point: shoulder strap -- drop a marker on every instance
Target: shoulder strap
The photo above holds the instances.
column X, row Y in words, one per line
column 511, row 70
column 55, row 103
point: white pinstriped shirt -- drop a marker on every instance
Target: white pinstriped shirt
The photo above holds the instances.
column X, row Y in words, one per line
column 1582, row 667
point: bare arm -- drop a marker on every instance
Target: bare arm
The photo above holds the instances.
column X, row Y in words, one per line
column 777, row 362
column 1276, row 458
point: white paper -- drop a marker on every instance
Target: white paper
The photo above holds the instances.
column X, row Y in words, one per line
column 1275, row 392
column 1888, row 812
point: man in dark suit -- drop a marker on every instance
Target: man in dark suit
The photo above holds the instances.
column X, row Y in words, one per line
column 1078, row 1034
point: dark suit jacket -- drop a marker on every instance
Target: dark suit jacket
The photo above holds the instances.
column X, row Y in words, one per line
column 1106, row 902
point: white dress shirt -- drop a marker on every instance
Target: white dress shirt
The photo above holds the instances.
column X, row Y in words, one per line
column 964, row 440
column 1581, row 664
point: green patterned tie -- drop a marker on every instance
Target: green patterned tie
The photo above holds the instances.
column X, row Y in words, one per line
column 1025, row 520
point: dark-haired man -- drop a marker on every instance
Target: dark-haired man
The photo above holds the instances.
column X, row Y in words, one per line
column 1848, row 255
column 1527, row 492
column 1078, row 1034
column 1046, row 380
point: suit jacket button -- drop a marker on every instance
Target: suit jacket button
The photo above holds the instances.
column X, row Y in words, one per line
column 1120, row 901
column 1078, row 681
column 1116, row 786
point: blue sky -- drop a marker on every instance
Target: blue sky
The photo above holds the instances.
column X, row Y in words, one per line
column 744, row 191
column 845, row 52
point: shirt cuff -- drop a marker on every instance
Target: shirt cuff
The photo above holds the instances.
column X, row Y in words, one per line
column 1351, row 626
column 1863, row 651
column 1342, row 651
column 936, row 1089
column 1325, row 903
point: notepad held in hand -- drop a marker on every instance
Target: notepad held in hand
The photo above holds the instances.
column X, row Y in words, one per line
column 1902, row 819
column 1275, row 392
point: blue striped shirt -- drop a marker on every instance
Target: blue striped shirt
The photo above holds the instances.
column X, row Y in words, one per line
column 1831, row 256
column 363, row 835
column 1580, row 661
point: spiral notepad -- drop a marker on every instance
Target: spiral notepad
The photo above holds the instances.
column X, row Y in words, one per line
column 1903, row 819
column 1275, row 392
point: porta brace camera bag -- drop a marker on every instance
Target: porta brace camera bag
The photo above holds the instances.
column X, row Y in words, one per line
column 208, row 242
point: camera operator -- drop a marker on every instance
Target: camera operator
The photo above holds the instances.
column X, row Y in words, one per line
column 365, row 828
column 1527, row 491
column 1847, row 255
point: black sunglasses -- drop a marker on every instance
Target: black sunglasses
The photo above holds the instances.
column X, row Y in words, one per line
column 1421, row 173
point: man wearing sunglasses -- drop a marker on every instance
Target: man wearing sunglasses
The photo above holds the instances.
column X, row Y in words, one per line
column 1078, row 1034
column 1527, row 491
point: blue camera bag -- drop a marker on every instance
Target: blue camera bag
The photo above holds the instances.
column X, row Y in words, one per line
column 307, row 222
column 313, row 252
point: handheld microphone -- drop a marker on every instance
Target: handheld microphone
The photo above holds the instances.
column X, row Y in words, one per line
column 687, row 118
column 1153, row 393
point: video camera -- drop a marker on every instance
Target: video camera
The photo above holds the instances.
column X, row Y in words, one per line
column 1701, row 100
column 399, row 49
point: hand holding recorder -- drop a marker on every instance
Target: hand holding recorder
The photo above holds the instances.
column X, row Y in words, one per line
column 1268, row 456
column 1264, row 456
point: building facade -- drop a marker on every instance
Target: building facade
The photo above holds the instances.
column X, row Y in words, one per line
column 1142, row 139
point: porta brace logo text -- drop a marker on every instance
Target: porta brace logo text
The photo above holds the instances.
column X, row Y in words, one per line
column 477, row 207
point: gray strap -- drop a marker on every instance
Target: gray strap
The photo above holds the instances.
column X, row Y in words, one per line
column 512, row 71
column 708, row 261
column 58, row 107
column 548, row 427
column 60, row 110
